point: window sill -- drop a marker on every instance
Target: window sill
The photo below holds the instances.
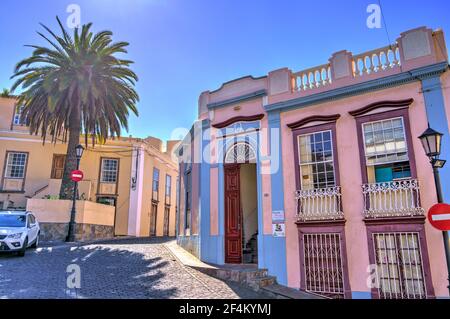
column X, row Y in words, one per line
column 3, row 191
column 106, row 195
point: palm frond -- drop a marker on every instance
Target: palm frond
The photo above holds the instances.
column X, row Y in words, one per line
column 76, row 74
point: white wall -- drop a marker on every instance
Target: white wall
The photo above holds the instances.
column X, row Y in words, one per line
column 249, row 200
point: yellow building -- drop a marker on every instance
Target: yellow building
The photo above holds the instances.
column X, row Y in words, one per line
column 134, row 175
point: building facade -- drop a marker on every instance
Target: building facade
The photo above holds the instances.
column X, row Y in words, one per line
column 318, row 175
column 134, row 175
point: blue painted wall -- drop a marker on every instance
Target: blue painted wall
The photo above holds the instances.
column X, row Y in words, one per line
column 361, row 295
column 209, row 245
column 435, row 107
column 189, row 243
column 275, row 247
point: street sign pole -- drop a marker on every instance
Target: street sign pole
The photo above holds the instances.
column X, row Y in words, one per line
column 437, row 181
column 76, row 177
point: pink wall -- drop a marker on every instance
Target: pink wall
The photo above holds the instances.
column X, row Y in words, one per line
column 266, row 178
column 214, row 203
column 349, row 163
column 350, row 175
column 278, row 84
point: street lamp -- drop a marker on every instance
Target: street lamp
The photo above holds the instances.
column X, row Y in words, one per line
column 431, row 142
column 71, row 235
column 79, row 151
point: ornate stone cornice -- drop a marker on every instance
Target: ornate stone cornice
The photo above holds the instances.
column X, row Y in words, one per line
column 361, row 88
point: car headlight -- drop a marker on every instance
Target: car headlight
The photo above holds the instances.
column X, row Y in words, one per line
column 15, row 236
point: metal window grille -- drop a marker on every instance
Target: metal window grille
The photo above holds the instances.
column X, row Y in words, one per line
column 323, row 264
column 399, row 266
column 240, row 153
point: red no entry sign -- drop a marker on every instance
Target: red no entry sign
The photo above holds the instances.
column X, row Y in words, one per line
column 439, row 216
column 76, row 176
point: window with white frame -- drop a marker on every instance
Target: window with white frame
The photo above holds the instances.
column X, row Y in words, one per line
column 168, row 188
column 17, row 115
column 386, row 150
column 316, row 160
column 155, row 184
column 110, row 167
column 188, row 194
column 15, row 165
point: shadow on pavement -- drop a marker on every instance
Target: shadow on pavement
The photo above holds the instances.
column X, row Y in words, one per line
column 105, row 272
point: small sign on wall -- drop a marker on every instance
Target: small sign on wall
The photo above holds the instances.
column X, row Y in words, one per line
column 278, row 230
column 277, row 216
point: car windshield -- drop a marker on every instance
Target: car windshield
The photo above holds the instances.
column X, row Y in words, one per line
column 12, row 220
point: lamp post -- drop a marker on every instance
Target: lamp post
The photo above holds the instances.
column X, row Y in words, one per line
column 431, row 142
column 71, row 235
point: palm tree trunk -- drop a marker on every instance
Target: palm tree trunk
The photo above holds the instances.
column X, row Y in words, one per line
column 67, row 185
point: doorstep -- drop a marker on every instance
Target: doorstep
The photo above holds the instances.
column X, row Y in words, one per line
column 283, row 292
column 247, row 275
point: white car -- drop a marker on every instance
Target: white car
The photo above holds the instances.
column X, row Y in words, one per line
column 18, row 231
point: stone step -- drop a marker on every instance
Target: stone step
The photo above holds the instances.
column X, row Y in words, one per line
column 260, row 273
column 252, row 278
column 261, row 282
column 282, row 292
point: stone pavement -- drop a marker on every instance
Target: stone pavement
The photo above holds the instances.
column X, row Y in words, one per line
column 119, row 268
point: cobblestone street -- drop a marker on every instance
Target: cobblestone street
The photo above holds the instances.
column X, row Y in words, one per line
column 122, row 268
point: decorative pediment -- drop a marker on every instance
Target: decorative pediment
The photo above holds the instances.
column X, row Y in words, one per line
column 382, row 104
column 315, row 118
column 236, row 119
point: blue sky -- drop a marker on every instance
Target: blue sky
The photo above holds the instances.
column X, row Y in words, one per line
column 184, row 47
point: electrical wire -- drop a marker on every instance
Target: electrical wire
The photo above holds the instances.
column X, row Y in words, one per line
column 385, row 24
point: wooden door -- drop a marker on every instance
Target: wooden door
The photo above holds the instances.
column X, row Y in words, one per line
column 233, row 215
column 58, row 166
column 166, row 220
column 153, row 218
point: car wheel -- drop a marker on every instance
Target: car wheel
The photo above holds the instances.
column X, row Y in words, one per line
column 36, row 242
column 24, row 248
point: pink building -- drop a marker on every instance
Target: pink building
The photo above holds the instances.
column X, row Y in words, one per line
column 318, row 175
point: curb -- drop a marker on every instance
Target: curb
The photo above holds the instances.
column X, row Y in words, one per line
column 78, row 244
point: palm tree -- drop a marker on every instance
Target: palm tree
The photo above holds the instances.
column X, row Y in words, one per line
column 5, row 93
column 76, row 85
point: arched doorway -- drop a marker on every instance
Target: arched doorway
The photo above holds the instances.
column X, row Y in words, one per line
column 241, row 204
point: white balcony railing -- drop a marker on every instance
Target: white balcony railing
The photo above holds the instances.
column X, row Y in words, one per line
column 319, row 204
column 376, row 61
column 392, row 199
column 312, row 78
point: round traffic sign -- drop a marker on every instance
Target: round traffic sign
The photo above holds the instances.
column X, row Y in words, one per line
column 76, row 176
column 439, row 216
